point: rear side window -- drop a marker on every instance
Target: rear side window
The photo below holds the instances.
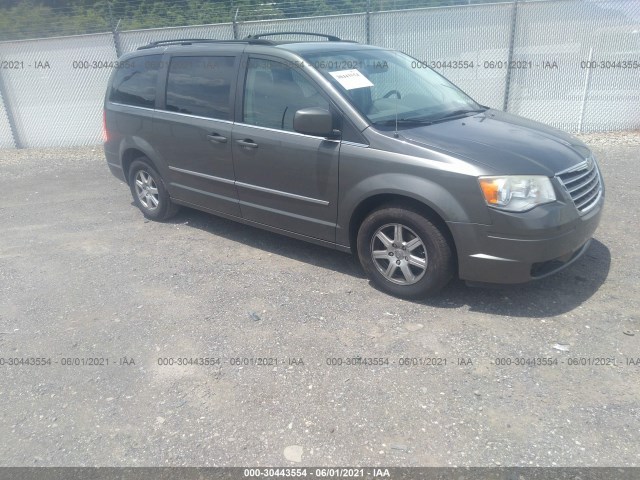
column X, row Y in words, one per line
column 135, row 83
column 200, row 86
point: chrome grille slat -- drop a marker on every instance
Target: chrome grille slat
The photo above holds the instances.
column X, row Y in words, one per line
column 586, row 192
column 577, row 177
column 583, row 184
column 594, row 194
column 591, row 176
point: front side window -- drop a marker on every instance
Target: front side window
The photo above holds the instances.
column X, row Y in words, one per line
column 273, row 93
column 135, row 82
column 386, row 85
column 200, row 86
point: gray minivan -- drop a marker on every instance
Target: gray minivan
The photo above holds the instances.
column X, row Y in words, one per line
column 354, row 147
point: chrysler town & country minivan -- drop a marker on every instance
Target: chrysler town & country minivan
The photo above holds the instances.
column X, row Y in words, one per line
column 352, row 147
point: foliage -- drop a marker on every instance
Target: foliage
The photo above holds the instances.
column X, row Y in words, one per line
column 21, row 19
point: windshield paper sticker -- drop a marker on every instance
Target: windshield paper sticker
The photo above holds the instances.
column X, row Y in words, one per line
column 351, row 79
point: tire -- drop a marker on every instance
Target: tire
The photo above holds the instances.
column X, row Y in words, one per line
column 148, row 191
column 420, row 263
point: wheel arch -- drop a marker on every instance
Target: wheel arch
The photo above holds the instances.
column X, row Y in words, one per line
column 133, row 149
column 128, row 157
column 380, row 200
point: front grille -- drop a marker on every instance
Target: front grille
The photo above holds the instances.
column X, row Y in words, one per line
column 583, row 184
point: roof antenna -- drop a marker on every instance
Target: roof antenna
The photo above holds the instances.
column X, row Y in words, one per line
column 395, row 74
column 396, row 134
column 395, row 81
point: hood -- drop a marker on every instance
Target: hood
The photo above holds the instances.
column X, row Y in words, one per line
column 507, row 144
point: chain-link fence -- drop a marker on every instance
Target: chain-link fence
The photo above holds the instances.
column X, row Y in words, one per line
column 348, row 27
column 52, row 102
column 573, row 64
column 586, row 79
column 446, row 38
column 129, row 41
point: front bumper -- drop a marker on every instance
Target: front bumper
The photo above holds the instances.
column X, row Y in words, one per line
column 520, row 247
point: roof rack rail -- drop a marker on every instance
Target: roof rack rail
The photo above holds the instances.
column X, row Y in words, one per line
column 331, row 38
column 190, row 41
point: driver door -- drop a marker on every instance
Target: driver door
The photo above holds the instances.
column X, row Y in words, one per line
column 284, row 179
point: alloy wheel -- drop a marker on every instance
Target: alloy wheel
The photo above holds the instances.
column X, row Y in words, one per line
column 147, row 190
column 399, row 254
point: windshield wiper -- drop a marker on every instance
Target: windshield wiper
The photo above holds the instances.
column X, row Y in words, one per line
column 405, row 121
column 430, row 120
column 457, row 113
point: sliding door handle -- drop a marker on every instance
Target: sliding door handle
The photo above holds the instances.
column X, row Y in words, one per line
column 215, row 138
column 247, row 143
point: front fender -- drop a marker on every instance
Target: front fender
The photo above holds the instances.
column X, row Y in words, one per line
column 447, row 186
column 455, row 198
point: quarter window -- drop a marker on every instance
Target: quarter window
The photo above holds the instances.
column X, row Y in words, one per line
column 135, row 82
column 273, row 93
column 200, row 86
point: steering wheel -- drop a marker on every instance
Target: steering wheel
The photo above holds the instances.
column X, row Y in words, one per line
column 391, row 92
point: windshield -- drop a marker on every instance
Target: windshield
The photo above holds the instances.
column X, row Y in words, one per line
column 387, row 85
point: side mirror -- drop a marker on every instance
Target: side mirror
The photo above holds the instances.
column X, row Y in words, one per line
column 313, row 121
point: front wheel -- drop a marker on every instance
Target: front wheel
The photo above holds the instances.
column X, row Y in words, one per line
column 404, row 253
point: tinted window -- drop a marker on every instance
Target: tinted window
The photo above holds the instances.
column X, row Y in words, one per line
column 200, row 86
column 135, row 82
column 274, row 91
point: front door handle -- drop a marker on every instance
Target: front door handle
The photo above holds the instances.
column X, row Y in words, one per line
column 247, row 143
column 215, row 138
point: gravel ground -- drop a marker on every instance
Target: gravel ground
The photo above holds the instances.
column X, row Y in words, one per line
column 83, row 275
column 611, row 138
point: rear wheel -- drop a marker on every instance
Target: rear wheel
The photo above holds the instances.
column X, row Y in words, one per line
column 149, row 192
column 404, row 253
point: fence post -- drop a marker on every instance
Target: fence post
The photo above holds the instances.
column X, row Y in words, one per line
column 514, row 16
column 115, row 32
column 235, row 24
column 116, row 40
column 10, row 118
column 587, row 83
column 367, row 25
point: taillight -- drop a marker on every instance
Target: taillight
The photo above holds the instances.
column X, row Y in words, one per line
column 105, row 132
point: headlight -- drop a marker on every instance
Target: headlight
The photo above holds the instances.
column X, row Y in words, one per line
column 517, row 193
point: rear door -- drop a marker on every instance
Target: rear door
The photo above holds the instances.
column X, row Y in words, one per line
column 192, row 128
column 285, row 179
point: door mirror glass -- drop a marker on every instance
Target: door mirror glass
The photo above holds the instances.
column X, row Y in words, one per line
column 313, row 121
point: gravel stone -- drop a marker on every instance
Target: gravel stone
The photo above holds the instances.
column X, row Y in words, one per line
column 293, row 453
